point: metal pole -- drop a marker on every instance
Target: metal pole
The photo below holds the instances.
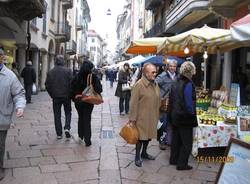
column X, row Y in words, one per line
column 205, row 73
column 28, row 41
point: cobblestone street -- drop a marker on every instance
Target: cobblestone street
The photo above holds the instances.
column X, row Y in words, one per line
column 35, row 156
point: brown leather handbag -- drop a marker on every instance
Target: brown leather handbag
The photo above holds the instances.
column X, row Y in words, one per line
column 89, row 95
column 129, row 133
column 164, row 105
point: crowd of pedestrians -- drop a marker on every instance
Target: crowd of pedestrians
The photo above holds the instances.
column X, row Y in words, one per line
column 140, row 94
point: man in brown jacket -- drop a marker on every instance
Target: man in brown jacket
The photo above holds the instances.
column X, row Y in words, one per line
column 144, row 111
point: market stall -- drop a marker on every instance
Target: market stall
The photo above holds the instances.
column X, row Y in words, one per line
column 216, row 115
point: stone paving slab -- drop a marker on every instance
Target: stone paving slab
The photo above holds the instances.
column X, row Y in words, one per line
column 35, row 156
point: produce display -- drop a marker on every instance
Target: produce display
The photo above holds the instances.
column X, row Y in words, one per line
column 229, row 112
column 218, row 97
column 210, row 119
column 202, row 99
column 199, row 111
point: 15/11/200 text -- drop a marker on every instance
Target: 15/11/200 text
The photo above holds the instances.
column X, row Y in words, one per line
column 215, row 159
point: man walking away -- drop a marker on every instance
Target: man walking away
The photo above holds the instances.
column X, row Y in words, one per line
column 11, row 99
column 58, row 86
column 29, row 77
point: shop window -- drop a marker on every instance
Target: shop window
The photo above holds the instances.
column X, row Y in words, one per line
column 44, row 22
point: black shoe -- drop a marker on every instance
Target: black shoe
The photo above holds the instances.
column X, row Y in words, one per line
column 67, row 134
column 188, row 167
column 2, row 174
column 173, row 163
column 138, row 163
column 162, row 146
column 87, row 143
column 147, row 156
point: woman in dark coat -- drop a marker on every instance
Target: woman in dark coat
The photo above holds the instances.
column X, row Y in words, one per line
column 183, row 116
column 84, row 110
column 123, row 78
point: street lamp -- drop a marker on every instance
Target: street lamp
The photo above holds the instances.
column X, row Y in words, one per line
column 108, row 12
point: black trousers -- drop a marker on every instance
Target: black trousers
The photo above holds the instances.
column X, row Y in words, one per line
column 3, row 135
column 181, row 145
column 57, row 105
column 28, row 92
column 84, row 120
column 126, row 100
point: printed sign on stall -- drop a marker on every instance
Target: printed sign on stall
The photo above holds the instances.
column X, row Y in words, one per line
column 243, row 122
column 236, row 170
column 234, row 98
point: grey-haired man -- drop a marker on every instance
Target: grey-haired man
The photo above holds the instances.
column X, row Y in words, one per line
column 12, row 99
column 58, row 86
column 165, row 81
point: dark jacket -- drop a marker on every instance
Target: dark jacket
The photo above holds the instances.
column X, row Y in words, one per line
column 123, row 78
column 29, row 75
column 79, row 83
column 179, row 114
column 112, row 75
column 58, row 81
column 165, row 82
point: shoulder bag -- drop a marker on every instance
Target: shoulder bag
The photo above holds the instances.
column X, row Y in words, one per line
column 89, row 95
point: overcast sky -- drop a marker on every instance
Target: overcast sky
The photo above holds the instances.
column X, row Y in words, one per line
column 102, row 23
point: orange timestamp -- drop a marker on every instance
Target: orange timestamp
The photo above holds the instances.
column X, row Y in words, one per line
column 215, row 159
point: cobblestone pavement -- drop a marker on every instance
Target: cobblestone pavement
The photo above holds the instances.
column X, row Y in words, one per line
column 34, row 155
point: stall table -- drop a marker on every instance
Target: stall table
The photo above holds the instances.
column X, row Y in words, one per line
column 206, row 136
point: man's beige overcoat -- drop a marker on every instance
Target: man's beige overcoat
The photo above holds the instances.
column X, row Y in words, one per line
column 144, row 108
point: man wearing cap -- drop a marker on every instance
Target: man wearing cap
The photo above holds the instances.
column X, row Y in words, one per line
column 12, row 99
column 58, row 86
column 29, row 77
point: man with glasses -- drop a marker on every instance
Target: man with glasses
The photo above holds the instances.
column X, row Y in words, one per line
column 165, row 81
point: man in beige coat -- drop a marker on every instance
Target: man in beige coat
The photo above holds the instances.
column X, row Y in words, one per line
column 144, row 111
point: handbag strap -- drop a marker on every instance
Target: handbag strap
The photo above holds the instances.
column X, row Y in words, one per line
column 89, row 81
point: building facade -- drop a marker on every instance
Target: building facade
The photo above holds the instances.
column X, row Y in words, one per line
column 47, row 29
column 96, row 46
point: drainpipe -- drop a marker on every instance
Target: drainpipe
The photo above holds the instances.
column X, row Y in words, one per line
column 28, row 41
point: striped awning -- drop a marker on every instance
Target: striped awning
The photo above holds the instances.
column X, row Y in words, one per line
column 145, row 45
column 198, row 40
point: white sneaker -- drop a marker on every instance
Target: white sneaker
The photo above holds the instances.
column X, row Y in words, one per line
column 80, row 141
column 59, row 137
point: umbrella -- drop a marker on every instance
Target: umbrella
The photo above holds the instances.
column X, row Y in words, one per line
column 240, row 29
column 158, row 60
column 145, row 45
column 198, row 40
column 131, row 61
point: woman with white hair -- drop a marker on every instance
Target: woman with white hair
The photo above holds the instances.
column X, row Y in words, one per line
column 183, row 116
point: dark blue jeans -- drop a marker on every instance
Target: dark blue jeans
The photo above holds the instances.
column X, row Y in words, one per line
column 126, row 100
column 57, row 105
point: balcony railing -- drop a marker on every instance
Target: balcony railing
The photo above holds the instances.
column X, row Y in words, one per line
column 67, row 4
column 153, row 4
column 71, row 47
column 157, row 30
column 23, row 9
column 64, row 30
